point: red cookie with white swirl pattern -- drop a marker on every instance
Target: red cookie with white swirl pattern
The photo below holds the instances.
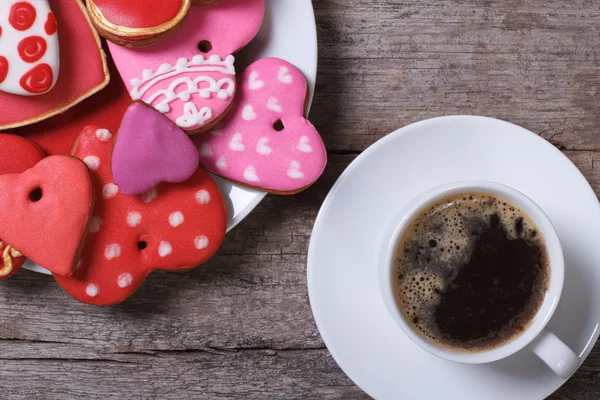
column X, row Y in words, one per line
column 171, row 227
column 17, row 155
column 29, row 52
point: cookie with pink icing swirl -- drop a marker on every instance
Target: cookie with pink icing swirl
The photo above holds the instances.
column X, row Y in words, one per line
column 266, row 142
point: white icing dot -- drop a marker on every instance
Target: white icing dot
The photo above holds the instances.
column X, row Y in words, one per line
column 202, row 196
column 124, row 280
column 250, row 174
column 254, row 83
column 201, row 242
column 205, row 150
column 110, row 190
column 95, row 224
column 134, row 218
column 176, row 219
column 273, row 105
column 303, row 145
column 92, row 162
column 236, row 142
column 92, row 290
column 262, row 148
column 164, row 249
column 112, row 251
column 221, row 163
column 248, row 113
column 149, row 196
column 284, row 77
column 103, row 135
column 294, row 170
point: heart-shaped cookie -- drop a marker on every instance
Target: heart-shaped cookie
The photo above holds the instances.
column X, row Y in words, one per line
column 171, row 227
column 150, row 149
column 17, row 155
column 29, row 52
column 136, row 22
column 190, row 76
column 266, row 142
column 83, row 68
column 45, row 211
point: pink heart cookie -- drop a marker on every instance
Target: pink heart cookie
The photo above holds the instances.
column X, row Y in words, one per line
column 171, row 227
column 266, row 142
column 190, row 76
column 149, row 150
column 29, row 52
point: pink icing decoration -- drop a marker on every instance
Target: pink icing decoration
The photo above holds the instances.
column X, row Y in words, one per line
column 150, row 149
column 247, row 146
column 190, row 87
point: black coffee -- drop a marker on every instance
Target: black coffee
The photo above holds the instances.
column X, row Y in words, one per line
column 472, row 272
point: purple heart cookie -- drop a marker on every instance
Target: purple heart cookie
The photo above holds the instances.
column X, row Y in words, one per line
column 150, row 149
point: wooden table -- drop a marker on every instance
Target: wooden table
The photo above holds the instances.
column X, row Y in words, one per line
column 241, row 326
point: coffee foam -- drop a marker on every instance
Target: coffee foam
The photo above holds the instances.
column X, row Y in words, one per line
column 438, row 240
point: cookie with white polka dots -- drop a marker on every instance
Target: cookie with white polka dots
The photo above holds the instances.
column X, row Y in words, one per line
column 266, row 142
column 45, row 212
column 171, row 227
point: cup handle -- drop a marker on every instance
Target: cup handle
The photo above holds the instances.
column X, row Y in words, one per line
column 550, row 349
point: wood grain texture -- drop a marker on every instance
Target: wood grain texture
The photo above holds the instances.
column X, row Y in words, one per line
column 241, row 326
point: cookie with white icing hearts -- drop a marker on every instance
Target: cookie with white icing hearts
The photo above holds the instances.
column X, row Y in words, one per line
column 29, row 51
column 190, row 76
column 17, row 155
column 171, row 227
column 265, row 142
column 83, row 67
column 137, row 22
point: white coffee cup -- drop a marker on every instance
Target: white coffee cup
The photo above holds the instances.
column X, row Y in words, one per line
column 560, row 358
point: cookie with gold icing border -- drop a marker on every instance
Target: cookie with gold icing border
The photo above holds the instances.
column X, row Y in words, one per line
column 266, row 142
column 83, row 70
column 17, row 155
column 137, row 22
column 171, row 227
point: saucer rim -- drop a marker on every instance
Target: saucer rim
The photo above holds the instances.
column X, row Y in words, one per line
column 395, row 135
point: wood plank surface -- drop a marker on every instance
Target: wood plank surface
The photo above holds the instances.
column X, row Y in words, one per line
column 241, row 326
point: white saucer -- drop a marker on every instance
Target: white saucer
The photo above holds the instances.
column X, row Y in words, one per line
column 289, row 32
column 342, row 261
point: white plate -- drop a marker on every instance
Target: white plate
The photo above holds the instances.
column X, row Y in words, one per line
column 342, row 280
column 288, row 32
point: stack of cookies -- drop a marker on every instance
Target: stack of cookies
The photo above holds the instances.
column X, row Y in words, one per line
column 104, row 180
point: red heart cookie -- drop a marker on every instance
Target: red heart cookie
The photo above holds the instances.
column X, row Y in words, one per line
column 83, row 70
column 45, row 211
column 17, row 155
column 136, row 22
column 171, row 227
